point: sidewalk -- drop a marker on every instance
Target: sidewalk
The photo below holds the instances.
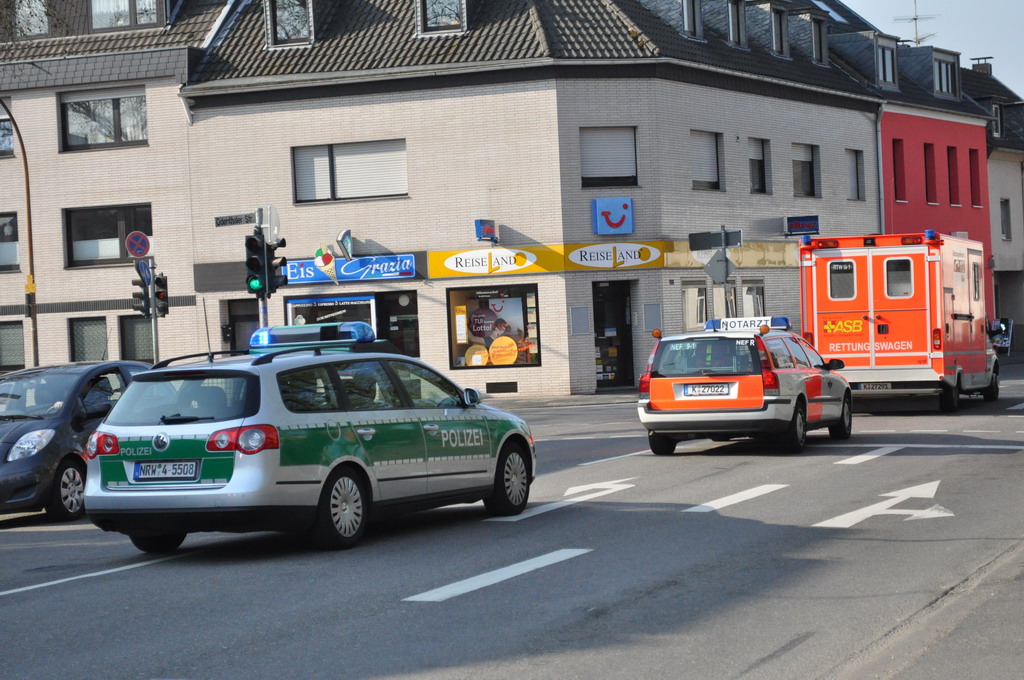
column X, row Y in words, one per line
column 514, row 402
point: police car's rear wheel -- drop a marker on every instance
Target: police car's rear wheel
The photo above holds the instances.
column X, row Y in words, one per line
column 661, row 445
column 844, row 428
column 164, row 543
column 795, row 436
column 342, row 513
column 511, row 483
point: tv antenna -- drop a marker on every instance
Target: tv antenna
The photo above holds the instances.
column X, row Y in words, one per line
column 916, row 19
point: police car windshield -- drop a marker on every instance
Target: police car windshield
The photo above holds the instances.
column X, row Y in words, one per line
column 707, row 355
column 174, row 399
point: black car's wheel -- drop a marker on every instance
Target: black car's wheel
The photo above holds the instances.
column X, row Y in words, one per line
column 991, row 393
column 511, row 483
column 661, row 445
column 949, row 398
column 163, row 543
column 795, row 436
column 67, row 495
column 343, row 512
column 844, row 428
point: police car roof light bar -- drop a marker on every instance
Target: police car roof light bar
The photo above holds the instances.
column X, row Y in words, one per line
column 312, row 334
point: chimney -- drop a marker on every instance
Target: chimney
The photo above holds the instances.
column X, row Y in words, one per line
column 981, row 65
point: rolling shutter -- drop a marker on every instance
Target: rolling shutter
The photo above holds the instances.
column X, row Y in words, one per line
column 370, row 169
column 312, row 166
column 608, row 152
column 704, row 156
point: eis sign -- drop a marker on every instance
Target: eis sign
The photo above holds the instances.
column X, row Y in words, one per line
column 357, row 269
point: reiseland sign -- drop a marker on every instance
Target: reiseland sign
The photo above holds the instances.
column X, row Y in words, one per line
column 546, row 259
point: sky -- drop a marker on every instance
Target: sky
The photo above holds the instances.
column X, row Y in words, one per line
column 974, row 28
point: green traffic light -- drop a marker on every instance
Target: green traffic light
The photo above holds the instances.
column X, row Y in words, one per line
column 255, row 284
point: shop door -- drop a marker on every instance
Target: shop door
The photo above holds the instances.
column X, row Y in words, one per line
column 243, row 321
column 613, row 331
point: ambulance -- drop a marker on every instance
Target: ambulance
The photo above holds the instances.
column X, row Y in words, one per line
column 905, row 313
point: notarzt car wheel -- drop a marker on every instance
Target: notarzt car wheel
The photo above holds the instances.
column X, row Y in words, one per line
column 661, row 445
column 343, row 512
column 511, row 483
column 844, row 428
column 795, row 436
column 67, row 495
column 164, row 543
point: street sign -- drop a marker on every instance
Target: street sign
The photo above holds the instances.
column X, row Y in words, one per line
column 711, row 240
column 145, row 273
column 720, row 267
column 234, row 220
column 137, row 244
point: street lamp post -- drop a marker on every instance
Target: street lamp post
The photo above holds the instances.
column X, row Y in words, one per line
column 30, row 283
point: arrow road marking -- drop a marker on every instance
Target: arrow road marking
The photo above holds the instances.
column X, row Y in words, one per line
column 864, row 457
column 1015, row 408
column 497, row 576
column 895, row 498
column 604, row 488
column 737, row 498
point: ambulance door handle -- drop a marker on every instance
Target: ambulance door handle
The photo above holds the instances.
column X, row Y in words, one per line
column 366, row 432
column 431, row 429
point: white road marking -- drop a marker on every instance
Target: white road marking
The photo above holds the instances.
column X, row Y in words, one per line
column 982, row 431
column 497, row 576
column 51, row 527
column 922, row 446
column 1016, row 407
column 93, row 574
column 864, row 457
column 926, row 431
column 859, row 431
column 605, row 460
column 603, row 489
column 884, row 508
column 569, row 437
column 736, row 498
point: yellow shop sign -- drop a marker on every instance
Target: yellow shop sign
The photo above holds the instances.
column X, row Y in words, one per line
column 614, row 256
column 493, row 261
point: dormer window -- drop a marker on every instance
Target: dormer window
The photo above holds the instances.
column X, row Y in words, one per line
column 691, row 19
column 30, row 18
column 123, row 13
column 289, row 21
column 737, row 23
column 780, row 32
column 441, row 16
column 886, row 58
column 997, row 122
column 944, row 77
column 819, row 41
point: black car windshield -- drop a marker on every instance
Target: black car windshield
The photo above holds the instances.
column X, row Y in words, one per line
column 706, row 356
column 176, row 398
column 35, row 394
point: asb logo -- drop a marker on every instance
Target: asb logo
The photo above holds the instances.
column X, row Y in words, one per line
column 614, row 255
column 843, row 326
column 612, row 216
column 490, row 261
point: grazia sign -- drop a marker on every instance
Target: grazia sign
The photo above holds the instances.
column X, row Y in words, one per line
column 357, row 269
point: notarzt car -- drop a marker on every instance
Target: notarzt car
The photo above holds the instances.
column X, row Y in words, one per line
column 300, row 439
column 738, row 378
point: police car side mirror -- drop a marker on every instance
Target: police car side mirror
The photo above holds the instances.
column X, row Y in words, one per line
column 834, row 365
column 471, row 396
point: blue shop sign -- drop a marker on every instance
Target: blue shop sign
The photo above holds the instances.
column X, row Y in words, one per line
column 368, row 268
column 808, row 224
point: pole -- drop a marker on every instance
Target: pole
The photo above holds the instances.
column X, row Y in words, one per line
column 152, row 309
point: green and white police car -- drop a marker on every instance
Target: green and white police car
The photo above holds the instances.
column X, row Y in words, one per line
column 313, row 432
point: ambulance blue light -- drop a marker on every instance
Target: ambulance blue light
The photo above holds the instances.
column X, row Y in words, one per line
column 930, row 235
column 805, row 240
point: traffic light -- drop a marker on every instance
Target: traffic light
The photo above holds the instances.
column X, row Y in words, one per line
column 160, row 294
column 140, row 298
column 256, row 263
column 276, row 267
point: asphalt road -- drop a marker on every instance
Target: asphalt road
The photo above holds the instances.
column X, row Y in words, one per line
column 893, row 554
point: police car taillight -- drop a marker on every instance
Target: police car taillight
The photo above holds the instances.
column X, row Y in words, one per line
column 249, row 439
column 769, row 379
column 102, row 444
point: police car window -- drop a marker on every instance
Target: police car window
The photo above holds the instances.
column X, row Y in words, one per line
column 367, row 386
column 780, row 355
column 308, row 390
column 812, row 354
column 425, row 388
column 842, row 283
column 173, row 398
column 799, row 356
column 707, row 355
column 899, row 281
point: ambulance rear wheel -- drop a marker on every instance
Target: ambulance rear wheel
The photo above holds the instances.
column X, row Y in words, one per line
column 164, row 543
column 949, row 399
column 660, row 444
column 795, row 436
column 343, row 512
column 991, row 393
column 511, row 483
column 844, row 428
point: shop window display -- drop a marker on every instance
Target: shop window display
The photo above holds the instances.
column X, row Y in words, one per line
column 493, row 327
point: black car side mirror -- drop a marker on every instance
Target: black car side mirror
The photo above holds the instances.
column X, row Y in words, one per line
column 835, row 364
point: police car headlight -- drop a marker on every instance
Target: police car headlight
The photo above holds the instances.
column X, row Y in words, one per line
column 30, row 444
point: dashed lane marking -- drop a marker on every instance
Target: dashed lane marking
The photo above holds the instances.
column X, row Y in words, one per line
column 864, row 457
column 736, row 498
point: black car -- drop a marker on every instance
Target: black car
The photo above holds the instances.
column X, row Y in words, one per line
column 46, row 417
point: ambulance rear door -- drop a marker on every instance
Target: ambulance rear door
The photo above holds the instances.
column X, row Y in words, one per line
column 842, row 303
column 899, row 313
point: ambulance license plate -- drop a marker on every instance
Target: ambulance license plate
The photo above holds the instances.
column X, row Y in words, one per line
column 876, row 386
column 167, row 470
column 714, row 389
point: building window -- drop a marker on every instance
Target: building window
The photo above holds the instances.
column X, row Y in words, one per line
column 31, row 18
column 88, row 339
column 608, row 156
column 96, row 235
column 753, row 300
column 930, row 193
column 819, row 41
column 997, row 123
column 6, row 135
column 737, row 22
column 9, row 242
column 805, row 170
column 842, row 281
column 975, row 162
column 1004, row 219
column 691, row 18
column 886, row 65
column 975, row 281
column 899, row 171
column 124, row 13
column 944, row 77
column 706, row 156
column 136, row 338
column 493, row 326
column 99, row 119
column 12, row 346
column 290, row 22
column 695, row 307
column 356, row 170
column 953, row 168
column 855, row 174
column 442, row 15
column 780, row 32
column 759, row 153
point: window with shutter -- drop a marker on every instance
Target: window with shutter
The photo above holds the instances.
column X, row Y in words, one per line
column 757, row 153
column 804, row 183
column 855, row 174
column 705, row 159
column 12, row 346
column 355, row 170
column 608, row 156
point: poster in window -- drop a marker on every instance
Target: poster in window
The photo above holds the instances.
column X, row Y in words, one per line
column 489, row 327
column 332, row 310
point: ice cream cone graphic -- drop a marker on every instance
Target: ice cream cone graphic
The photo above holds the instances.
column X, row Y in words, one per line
column 325, row 262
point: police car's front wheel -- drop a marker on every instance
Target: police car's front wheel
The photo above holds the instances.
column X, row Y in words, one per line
column 342, row 513
column 511, row 483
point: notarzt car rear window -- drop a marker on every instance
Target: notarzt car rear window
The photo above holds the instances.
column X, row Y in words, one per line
column 842, row 284
column 706, row 355
column 173, row 398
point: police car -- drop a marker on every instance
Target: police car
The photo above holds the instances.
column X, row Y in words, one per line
column 313, row 432
column 741, row 377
